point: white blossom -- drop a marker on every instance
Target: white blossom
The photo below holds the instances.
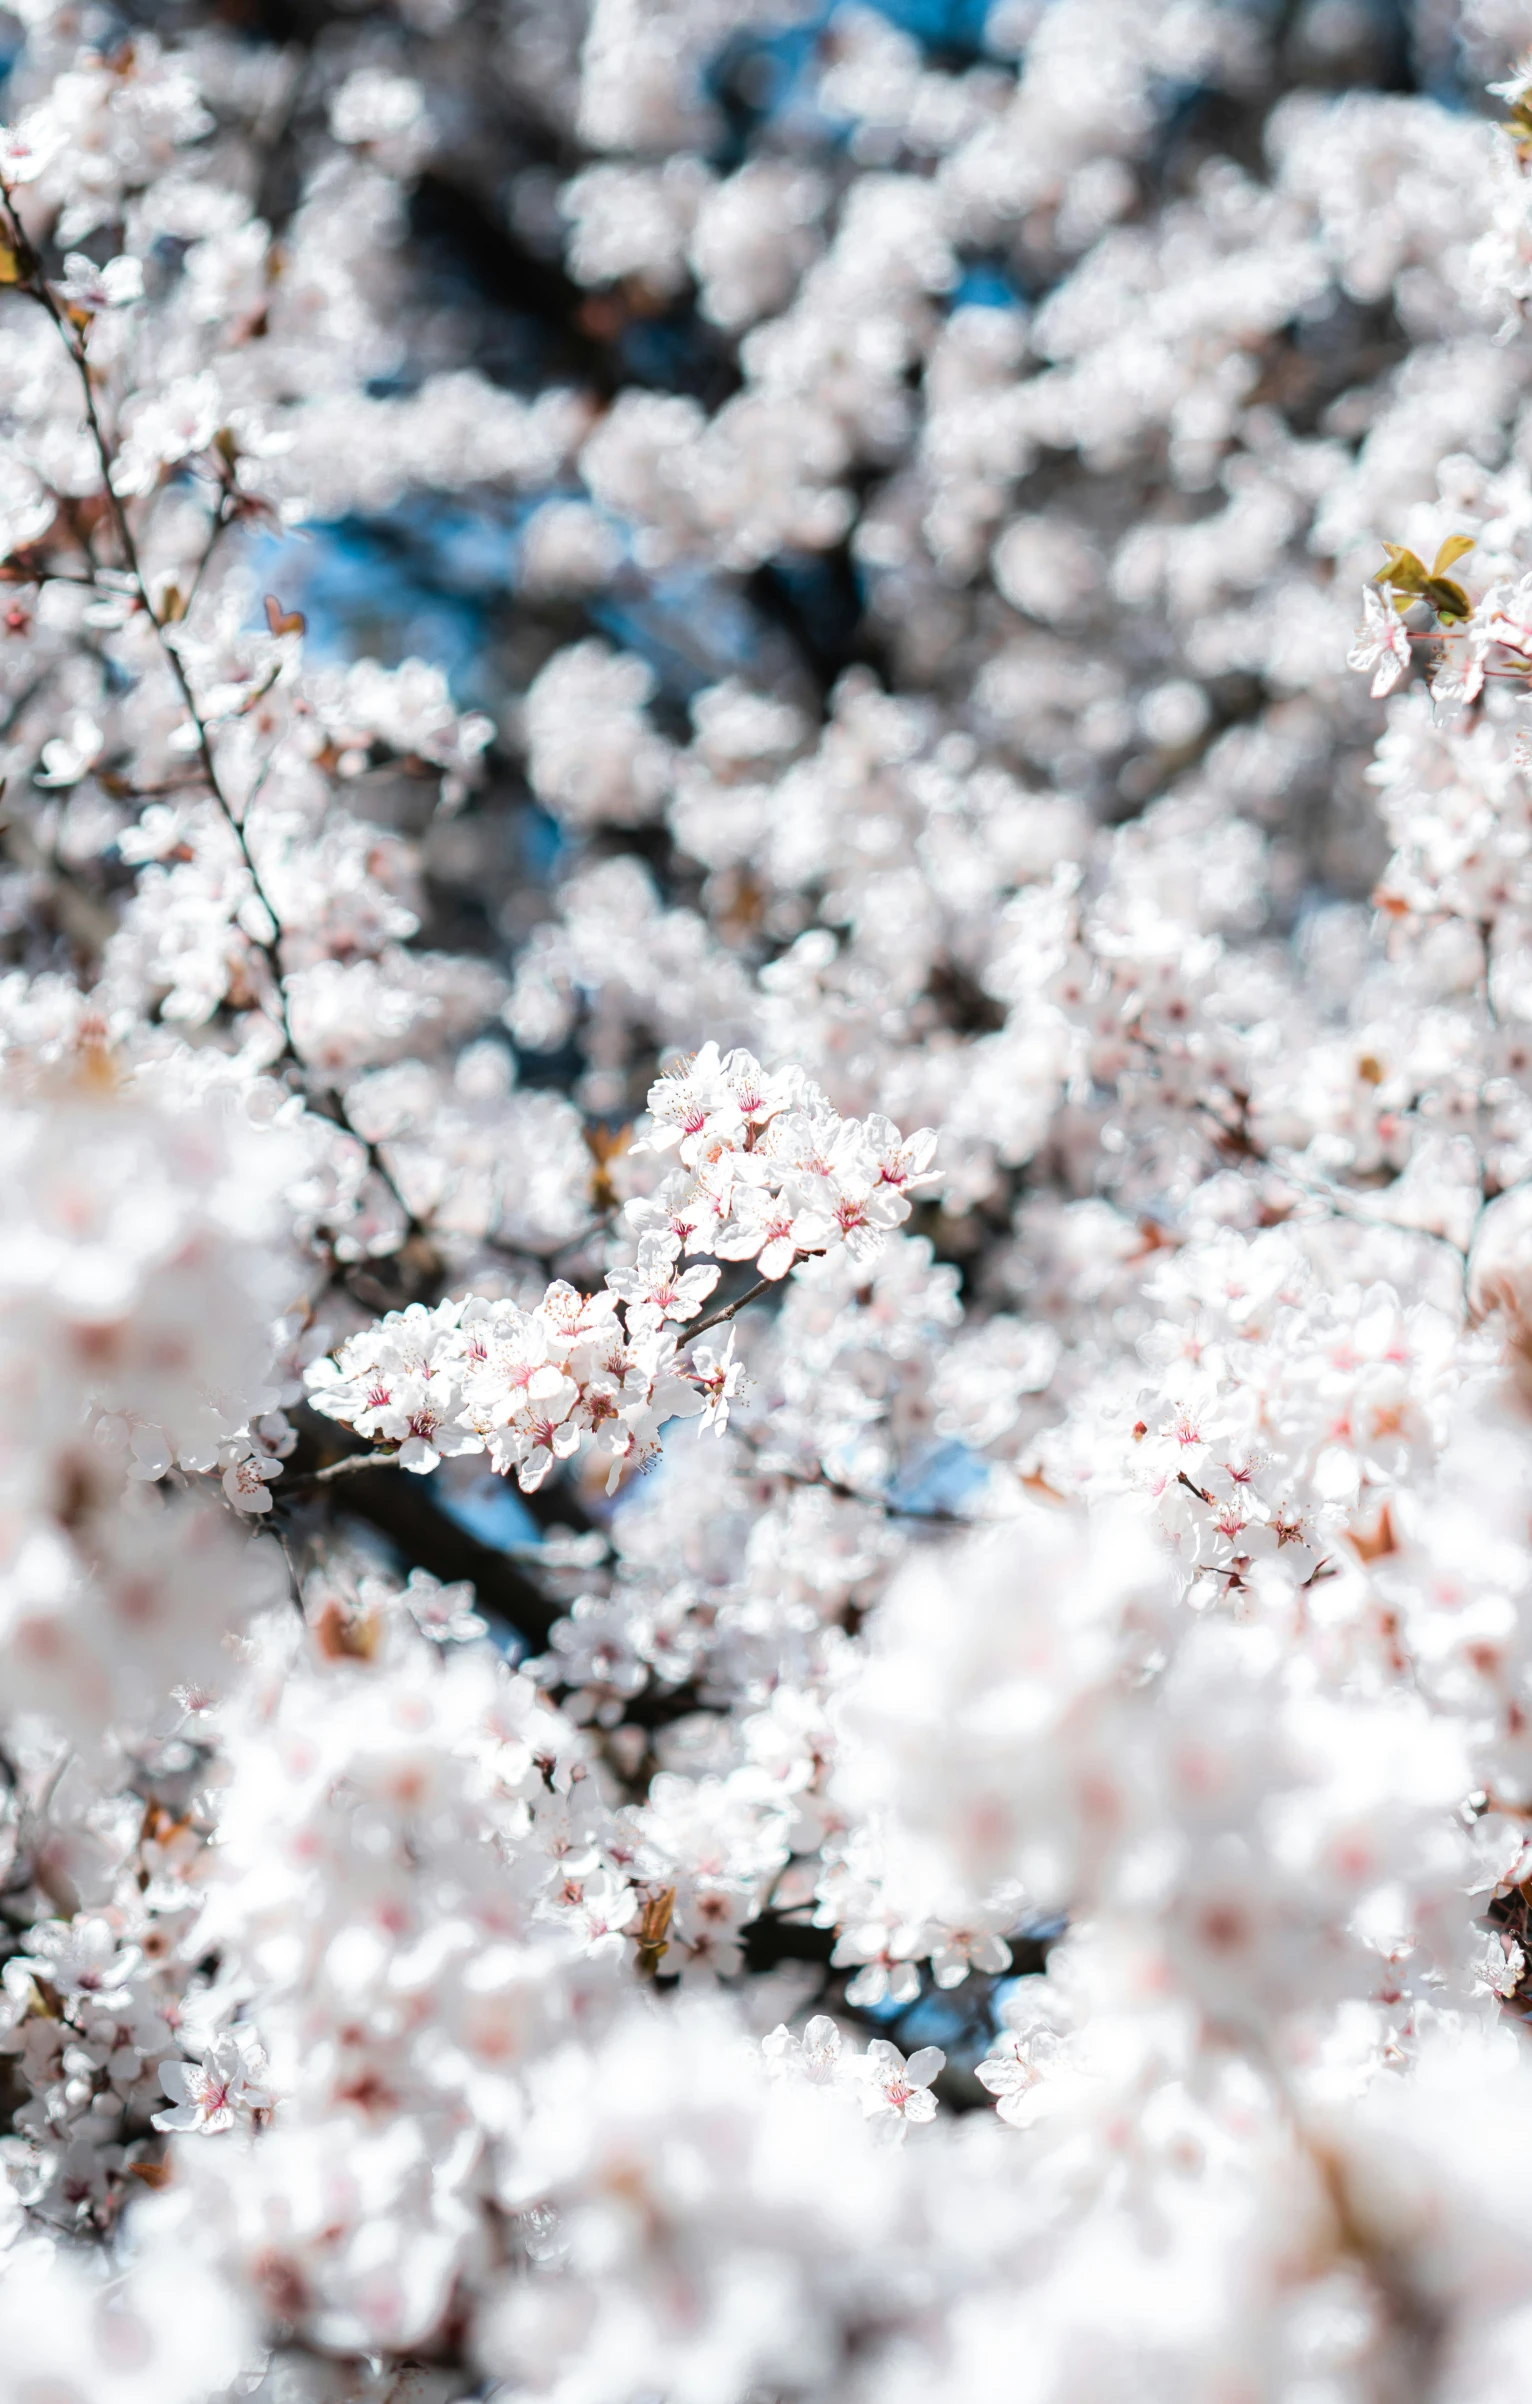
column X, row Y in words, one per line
column 677, row 747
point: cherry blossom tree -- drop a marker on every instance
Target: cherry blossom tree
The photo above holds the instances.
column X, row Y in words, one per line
column 766, row 1107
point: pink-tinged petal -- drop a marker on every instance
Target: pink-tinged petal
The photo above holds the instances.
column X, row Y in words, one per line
column 174, row 2123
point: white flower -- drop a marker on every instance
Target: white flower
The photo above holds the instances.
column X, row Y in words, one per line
column 248, row 1476
column 964, row 1949
column 901, row 1161
column 817, row 2056
column 85, row 1960
column 1502, row 1966
column 444, row 1613
column 889, row 1972
column 66, row 758
column 717, row 1374
column 535, row 1439
column 892, row 2084
column 1382, row 643
column 1459, row 677
column 223, row 2089
column 86, row 286
column 1014, row 2073
column 772, row 1229
column 653, row 1290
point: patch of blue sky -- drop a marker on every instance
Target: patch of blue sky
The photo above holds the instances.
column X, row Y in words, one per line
column 951, row 28
column 986, row 285
column 774, row 72
column 691, row 626
column 770, row 76
column 425, row 579
column 544, row 843
column 363, row 594
column 941, row 1480
column 944, row 2017
column 492, row 1509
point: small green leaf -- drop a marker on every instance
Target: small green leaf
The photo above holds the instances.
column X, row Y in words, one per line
column 1449, row 600
column 1453, row 548
column 1402, row 574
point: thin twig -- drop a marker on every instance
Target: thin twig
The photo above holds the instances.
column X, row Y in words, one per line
column 222, row 519
column 294, row 1582
column 345, row 1467
column 95, row 582
column 37, row 288
column 762, row 1286
column 937, row 1516
column 588, row 1235
column 717, row 1318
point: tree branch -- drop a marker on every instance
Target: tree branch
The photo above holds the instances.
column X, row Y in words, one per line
column 731, row 1310
column 345, row 1467
column 37, row 288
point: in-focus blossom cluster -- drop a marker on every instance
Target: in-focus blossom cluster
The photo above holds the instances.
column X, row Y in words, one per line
column 770, row 1173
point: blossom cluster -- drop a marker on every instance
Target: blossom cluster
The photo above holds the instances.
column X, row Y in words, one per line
column 769, row 1173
